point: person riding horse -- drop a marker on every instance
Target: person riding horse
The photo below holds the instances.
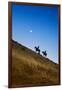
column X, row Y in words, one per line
column 44, row 53
column 37, row 49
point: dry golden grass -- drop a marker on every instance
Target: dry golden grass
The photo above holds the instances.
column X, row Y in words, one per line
column 30, row 68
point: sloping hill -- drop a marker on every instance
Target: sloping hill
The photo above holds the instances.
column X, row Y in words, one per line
column 31, row 69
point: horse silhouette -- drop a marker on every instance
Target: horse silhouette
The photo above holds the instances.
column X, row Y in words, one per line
column 44, row 53
column 37, row 49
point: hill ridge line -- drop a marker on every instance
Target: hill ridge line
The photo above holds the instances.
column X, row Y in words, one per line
column 32, row 51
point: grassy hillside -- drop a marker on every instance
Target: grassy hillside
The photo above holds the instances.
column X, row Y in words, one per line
column 31, row 69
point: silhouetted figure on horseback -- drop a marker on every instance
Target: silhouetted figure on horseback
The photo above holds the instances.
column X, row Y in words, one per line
column 37, row 49
column 44, row 53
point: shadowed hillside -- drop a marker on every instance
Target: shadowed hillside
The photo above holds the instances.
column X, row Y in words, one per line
column 31, row 69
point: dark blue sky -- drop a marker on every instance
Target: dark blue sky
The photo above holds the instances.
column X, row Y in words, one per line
column 36, row 25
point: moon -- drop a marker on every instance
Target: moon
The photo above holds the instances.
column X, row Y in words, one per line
column 30, row 31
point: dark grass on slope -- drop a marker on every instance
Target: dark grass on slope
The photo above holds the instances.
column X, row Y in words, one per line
column 40, row 71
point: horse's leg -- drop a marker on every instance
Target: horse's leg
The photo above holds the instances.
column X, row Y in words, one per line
column 39, row 51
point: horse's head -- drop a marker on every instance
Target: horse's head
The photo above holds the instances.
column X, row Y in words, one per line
column 38, row 47
column 44, row 53
column 35, row 47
